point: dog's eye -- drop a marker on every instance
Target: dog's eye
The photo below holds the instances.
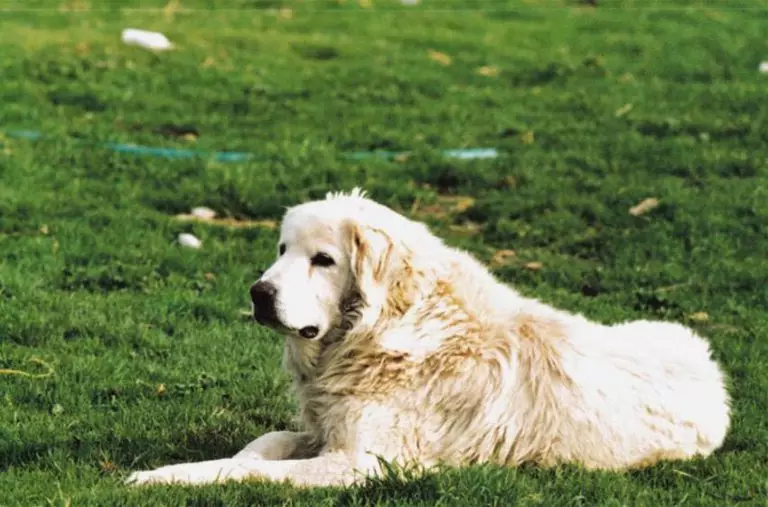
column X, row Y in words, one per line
column 323, row 260
column 281, row 248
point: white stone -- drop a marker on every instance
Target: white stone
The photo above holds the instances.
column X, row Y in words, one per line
column 149, row 40
column 189, row 240
column 203, row 213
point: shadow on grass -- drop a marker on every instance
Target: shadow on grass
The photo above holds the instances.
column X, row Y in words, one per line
column 124, row 452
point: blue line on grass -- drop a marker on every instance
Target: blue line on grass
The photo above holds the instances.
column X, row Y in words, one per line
column 240, row 156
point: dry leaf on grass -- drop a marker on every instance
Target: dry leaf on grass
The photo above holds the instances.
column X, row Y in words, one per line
column 170, row 9
column 458, row 203
column 625, row 78
column 186, row 132
column 502, row 257
column 644, row 206
column 401, row 157
column 488, row 71
column 229, row 222
column 508, row 182
column 527, row 137
column 699, row 317
column 439, row 57
column 447, row 205
column 108, row 467
column 534, row 266
column 468, row 228
column 623, row 110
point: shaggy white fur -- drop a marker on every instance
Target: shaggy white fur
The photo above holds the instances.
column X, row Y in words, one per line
column 423, row 357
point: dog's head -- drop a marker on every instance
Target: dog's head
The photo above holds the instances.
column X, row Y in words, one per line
column 335, row 258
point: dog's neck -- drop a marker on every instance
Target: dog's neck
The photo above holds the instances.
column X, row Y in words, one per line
column 302, row 356
column 362, row 318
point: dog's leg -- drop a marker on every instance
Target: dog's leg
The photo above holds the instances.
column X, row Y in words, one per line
column 273, row 446
column 279, row 445
column 202, row 472
column 331, row 469
column 375, row 435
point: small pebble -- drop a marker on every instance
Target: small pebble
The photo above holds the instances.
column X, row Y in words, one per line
column 189, row 240
column 203, row 212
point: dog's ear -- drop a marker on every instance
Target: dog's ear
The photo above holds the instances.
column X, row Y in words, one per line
column 370, row 253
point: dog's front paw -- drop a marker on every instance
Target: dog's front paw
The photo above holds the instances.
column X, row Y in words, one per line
column 158, row 476
column 204, row 472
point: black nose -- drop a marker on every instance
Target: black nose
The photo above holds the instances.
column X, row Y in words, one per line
column 309, row 332
column 263, row 297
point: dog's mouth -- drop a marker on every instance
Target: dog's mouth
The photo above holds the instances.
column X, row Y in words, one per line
column 348, row 314
column 266, row 321
column 272, row 322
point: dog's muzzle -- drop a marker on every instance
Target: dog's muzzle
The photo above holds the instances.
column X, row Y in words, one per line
column 263, row 295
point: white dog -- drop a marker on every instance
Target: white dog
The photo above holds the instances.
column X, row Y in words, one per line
column 406, row 349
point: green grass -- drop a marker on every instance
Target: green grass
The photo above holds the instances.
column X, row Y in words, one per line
column 594, row 109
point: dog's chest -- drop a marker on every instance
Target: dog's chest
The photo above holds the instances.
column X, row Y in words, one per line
column 397, row 362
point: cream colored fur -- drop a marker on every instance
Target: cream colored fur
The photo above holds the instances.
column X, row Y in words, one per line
column 427, row 359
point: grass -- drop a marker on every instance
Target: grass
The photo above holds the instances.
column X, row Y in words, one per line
column 594, row 110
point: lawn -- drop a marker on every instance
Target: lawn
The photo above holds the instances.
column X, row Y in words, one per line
column 144, row 354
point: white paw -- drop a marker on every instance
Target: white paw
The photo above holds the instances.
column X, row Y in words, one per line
column 205, row 472
column 151, row 477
